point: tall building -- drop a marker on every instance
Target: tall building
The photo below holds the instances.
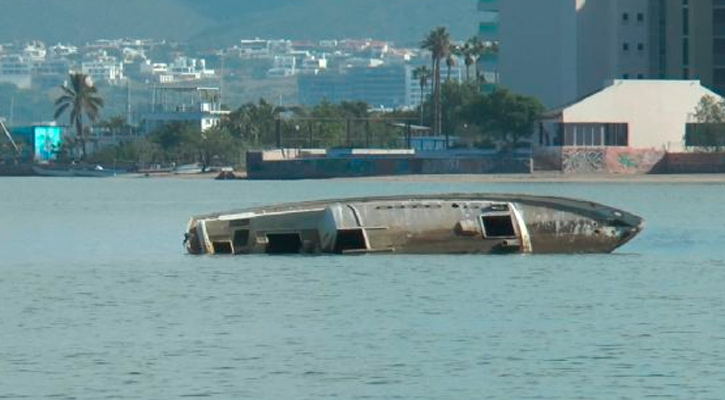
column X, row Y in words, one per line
column 614, row 41
column 561, row 50
column 384, row 86
column 691, row 41
column 537, row 46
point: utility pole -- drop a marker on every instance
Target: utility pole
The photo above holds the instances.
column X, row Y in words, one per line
column 128, row 103
column 221, row 81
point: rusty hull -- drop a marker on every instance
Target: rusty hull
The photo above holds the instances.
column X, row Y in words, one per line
column 425, row 224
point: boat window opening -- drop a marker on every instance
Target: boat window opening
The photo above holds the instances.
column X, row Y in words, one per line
column 222, row 247
column 283, row 243
column 350, row 239
column 499, row 207
column 241, row 238
column 455, row 205
column 498, row 226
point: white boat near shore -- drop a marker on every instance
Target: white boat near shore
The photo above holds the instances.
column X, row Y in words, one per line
column 74, row 171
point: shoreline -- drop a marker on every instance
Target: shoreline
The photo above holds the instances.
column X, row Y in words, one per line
column 540, row 177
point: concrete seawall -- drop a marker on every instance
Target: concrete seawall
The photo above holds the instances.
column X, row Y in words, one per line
column 266, row 165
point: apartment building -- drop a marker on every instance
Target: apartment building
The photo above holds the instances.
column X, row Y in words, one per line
column 562, row 50
column 105, row 70
column 691, row 41
column 537, row 46
column 385, row 86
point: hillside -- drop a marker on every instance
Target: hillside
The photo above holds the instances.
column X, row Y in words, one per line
column 226, row 21
column 78, row 21
column 403, row 21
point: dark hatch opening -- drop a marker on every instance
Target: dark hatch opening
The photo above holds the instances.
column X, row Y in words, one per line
column 498, row 226
column 350, row 239
column 222, row 247
column 283, row 243
column 241, row 239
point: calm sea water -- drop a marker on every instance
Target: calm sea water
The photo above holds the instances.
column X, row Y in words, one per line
column 99, row 301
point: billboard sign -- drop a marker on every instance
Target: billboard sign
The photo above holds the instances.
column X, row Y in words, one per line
column 46, row 142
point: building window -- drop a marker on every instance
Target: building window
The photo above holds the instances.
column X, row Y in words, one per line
column 640, row 76
column 625, row 17
column 593, row 134
column 640, row 46
column 625, row 46
column 640, row 17
column 685, row 22
column 625, row 76
column 685, row 52
column 685, row 73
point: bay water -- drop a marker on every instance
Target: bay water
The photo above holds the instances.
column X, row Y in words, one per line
column 99, row 301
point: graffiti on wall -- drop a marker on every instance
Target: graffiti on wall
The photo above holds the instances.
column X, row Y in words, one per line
column 583, row 161
column 610, row 160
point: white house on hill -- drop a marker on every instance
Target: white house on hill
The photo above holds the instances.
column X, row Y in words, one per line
column 638, row 114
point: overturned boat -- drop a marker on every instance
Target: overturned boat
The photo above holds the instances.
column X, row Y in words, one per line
column 419, row 224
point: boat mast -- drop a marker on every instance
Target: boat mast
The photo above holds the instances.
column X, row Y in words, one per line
column 10, row 138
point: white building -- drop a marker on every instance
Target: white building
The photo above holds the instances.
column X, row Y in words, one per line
column 16, row 70
column 60, row 50
column 638, row 114
column 35, row 51
column 313, row 65
column 197, row 105
column 107, row 70
column 283, row 66
column 189, row 69
column 151, row 68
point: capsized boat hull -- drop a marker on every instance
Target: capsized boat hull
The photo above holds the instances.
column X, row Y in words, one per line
column 417, row 224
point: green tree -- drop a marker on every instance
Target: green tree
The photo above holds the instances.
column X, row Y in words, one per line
column 217, row 146
column 329, row 124
column 710, row 110
column 508, row 116
column 709, row 132
column 178, row 142
column 116, row 126
column 81, row 99
column 456, row 98
column 253, row 122
column 422, row 74
column 438, row 42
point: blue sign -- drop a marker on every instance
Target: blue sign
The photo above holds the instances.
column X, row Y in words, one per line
column 46, row 142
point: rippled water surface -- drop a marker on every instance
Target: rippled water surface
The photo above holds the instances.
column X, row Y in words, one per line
column 98, row 301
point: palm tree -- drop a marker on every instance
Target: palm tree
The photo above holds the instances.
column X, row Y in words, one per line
column 451, row 61
column 471, row 51
column 422, row 74
column 438, row 42
column 82, row 99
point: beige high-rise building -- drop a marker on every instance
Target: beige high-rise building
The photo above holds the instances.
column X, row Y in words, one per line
column 690, row 41
column 562, row 50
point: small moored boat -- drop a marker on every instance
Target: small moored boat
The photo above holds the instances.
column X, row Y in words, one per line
column 425, row 224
